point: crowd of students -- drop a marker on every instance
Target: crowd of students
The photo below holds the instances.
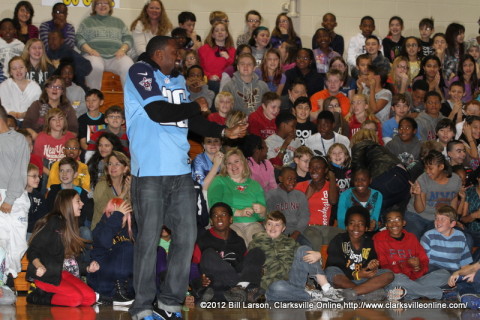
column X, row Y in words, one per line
column 375, row 155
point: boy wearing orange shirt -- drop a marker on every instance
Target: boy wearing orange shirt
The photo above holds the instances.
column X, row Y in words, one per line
column 334, row 83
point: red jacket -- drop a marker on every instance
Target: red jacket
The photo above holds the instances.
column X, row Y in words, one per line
column 213, row 64
column 393, row 254
column 259, row 125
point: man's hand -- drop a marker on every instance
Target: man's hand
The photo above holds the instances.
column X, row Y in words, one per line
column 203, row 104
column 239, row 131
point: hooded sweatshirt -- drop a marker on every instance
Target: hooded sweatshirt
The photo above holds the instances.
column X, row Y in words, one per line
column 247, row 96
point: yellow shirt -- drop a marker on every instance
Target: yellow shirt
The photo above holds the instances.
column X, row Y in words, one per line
column 82, row 179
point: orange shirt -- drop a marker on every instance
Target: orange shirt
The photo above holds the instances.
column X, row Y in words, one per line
column 322, row 95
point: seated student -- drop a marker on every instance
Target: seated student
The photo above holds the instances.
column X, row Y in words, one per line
column 282, row 144
column 323, row 52
column 93, row 120
column 292, row 203
column 255, row 150
column 379, row 98
column 320, row 142
column 245, row 86
column 334, row 83
column 58, row 51
column 360, row 115
column 356, row 46
column 224, row 105
column 400, row 109
column 197, row 86
column 68, row 171
column 427, row 120
column 322, row 195
column 302, row 157
column 401, row 252
column 75, row 93
column 82, row 179
column 115, row 120
column 436, row 187
column 10, row 46
column 228, row 271
column 329, row 22
column 296, row 89
column 445, row 246
column 305, row 128
column 262, row 121
column 405, row 144
column 360, row 195
column 288, row 266
column 187, row 20
column 445, row 131
column 205, row 161
column 253, row 19
column 38, row 205
column 333, row 105
column 457, row 153
column 453, row 106
column 113, row 251
column 467, row 281
column 372, row 47
column 340, row 164
column 58, row 22
column 352, row 262
column 270, row 71
column 417, row 96
column 306, row 71
column 471, row 108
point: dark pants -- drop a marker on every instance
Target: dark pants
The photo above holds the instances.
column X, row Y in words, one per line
column 158, row 201
column 224, row 276
column 395, row 188
column 118, row 265
column 162, row 262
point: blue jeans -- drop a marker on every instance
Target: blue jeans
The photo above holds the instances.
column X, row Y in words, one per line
column 158, row 201
column 464, row 287
column 417, row 224
column 427, row 286
column 294, row 288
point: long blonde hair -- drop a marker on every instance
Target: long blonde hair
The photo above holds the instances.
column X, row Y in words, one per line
column 44, row 61
column 370, row 115
column 164, row 23
column 395, row 63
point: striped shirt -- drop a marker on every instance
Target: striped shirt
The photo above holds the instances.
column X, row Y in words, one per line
column 449, row 253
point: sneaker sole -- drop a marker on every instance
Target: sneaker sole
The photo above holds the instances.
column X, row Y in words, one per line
column 122, row 303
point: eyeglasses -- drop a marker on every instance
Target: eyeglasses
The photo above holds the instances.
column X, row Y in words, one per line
column 34, row 176
column 116, row 164
column 98, row 4
column 55, row 87
column 70, row 148
column 411, row 45
column 253, row 20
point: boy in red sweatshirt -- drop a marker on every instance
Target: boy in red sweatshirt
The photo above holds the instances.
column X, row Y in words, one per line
column 401, row 252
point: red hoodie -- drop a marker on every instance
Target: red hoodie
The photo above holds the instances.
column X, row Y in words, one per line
column 393, row 254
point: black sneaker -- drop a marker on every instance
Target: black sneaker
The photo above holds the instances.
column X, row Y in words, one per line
column 160, row 314
column 121, row 297
column 104, row 300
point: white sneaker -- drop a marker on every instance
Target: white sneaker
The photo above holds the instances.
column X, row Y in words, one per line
column 315, row 295
column 333, row 295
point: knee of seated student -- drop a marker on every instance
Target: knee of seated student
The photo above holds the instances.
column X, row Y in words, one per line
column 331, row 272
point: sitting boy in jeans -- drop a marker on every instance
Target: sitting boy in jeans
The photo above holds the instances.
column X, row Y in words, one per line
column 288, row 265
